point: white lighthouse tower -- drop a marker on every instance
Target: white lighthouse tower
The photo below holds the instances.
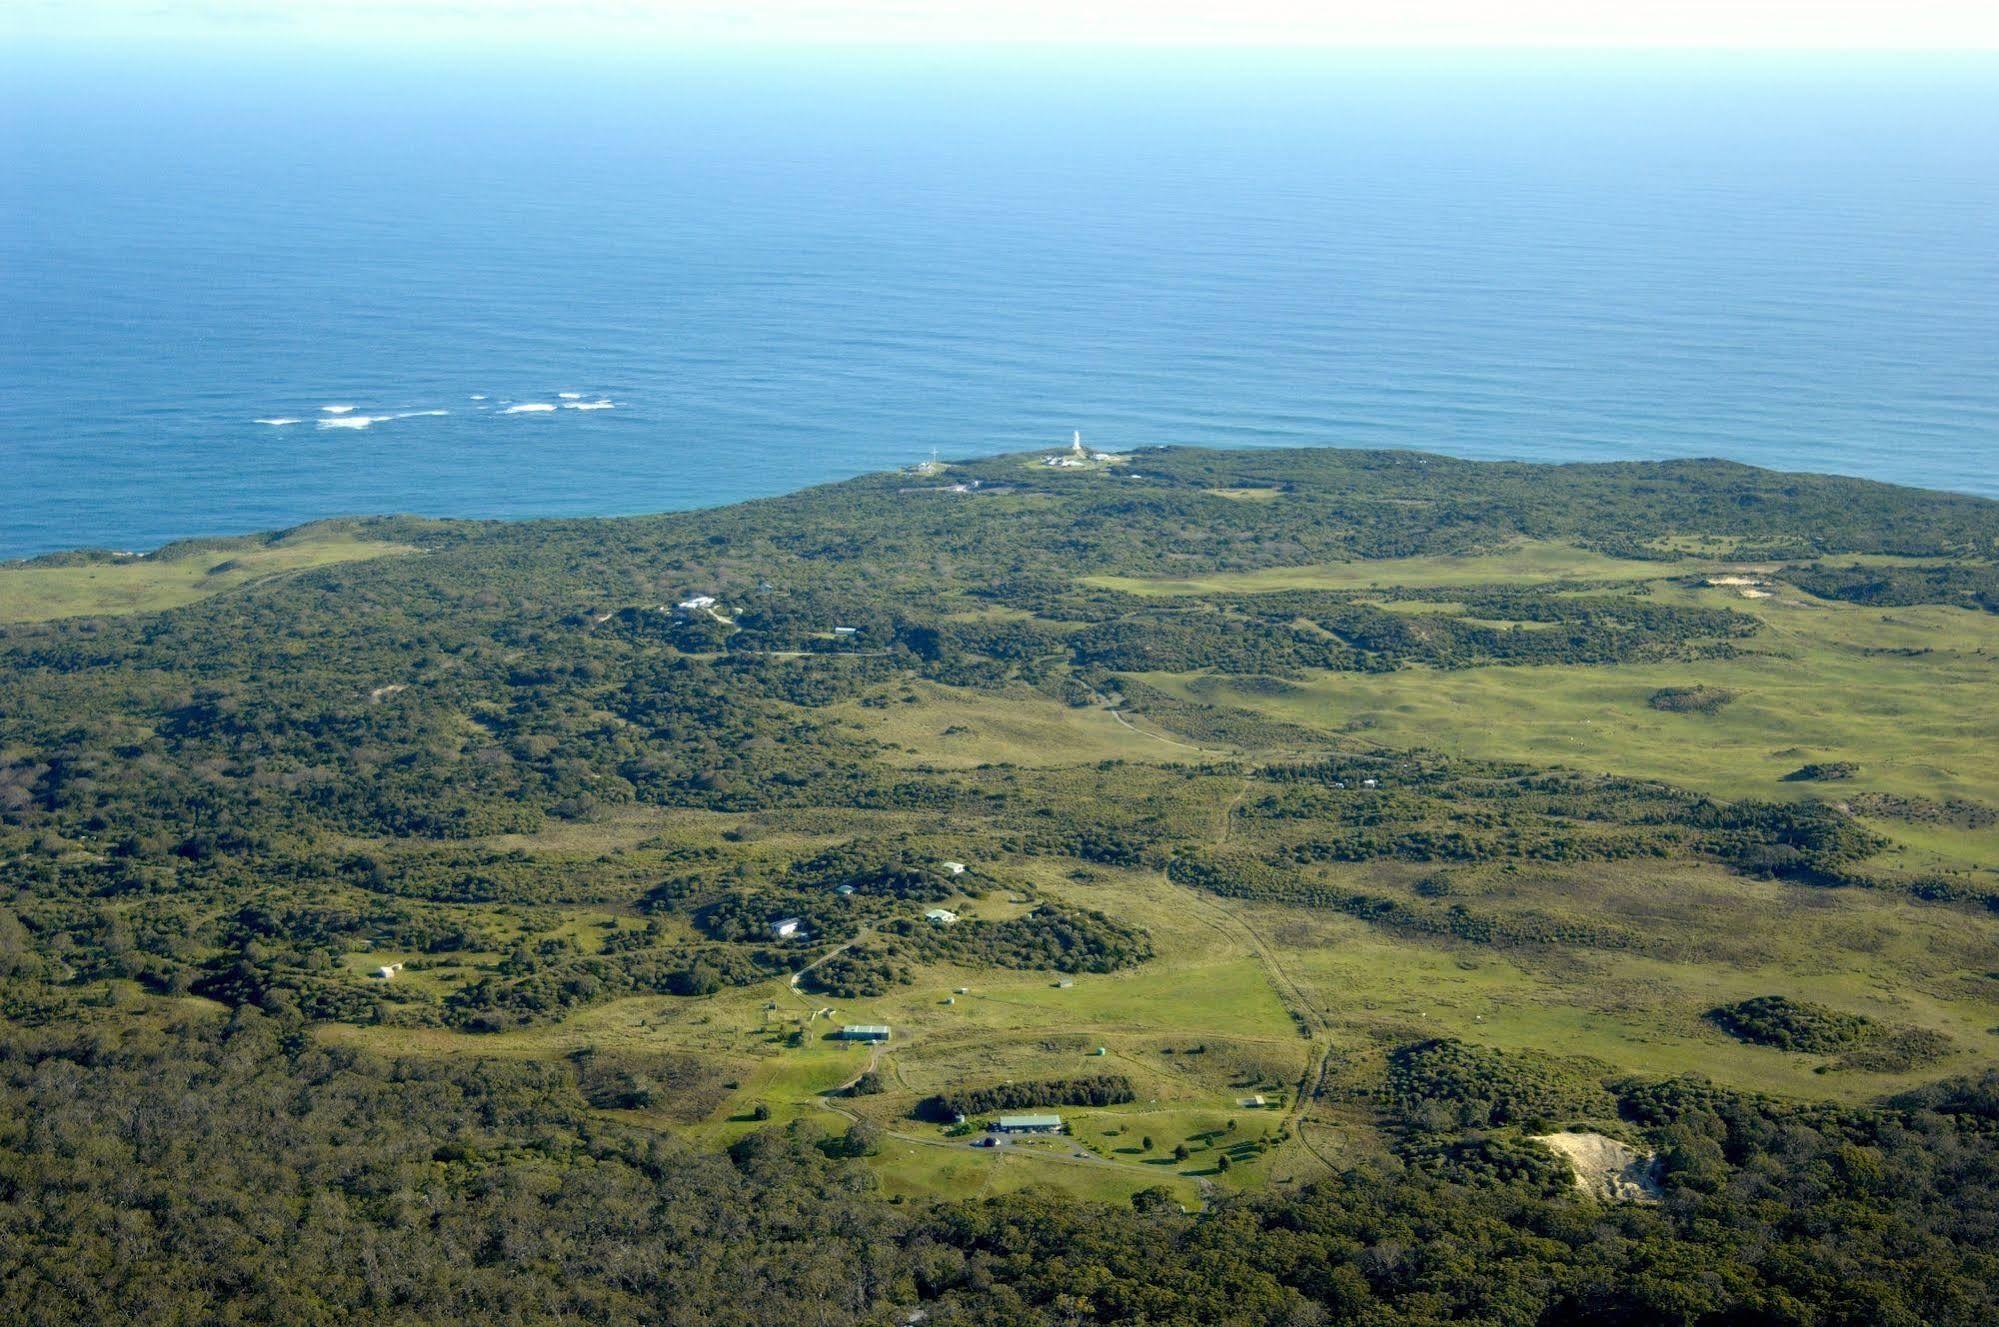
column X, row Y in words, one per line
column 1076, row 446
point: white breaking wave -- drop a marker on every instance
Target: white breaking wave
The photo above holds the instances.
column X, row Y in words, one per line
column 570, row 396
column 589, row 405
column 478, row 396
column 364, row 421
column 279, row 422
column 337, row 409
column 529, row 408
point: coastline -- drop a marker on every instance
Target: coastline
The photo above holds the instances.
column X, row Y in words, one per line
column 100, row 550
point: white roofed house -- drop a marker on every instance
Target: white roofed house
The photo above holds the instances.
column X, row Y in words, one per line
column 953, row 868
column 696, row 603
column 786, row 928
column 940, row 917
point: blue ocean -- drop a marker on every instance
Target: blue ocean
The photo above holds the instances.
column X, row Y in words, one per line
column 245, row 290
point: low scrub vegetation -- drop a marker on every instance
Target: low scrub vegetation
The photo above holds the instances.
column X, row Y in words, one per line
column 392, row 939
column 1690, row 700
column 1088, row 1090
column 1791, row 1025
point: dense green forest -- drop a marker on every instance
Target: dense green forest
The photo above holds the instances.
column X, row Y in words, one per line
column 460, row 929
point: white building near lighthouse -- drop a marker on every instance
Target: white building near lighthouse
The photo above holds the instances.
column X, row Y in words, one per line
column 1075, row 456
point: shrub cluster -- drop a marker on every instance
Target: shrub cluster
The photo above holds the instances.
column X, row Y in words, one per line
column 1792, row 1025
column 1086, row 1090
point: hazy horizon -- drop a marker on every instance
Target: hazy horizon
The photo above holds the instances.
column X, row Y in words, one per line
column 1847, row 25
column 780, row 270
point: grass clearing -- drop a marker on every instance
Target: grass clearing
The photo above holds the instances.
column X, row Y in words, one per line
column 1526, row 562
column 1724, row 938
column 1206, row 1022
column 149, row 584
column 1905, row 693
column 958, row 728
column 1184, row 1028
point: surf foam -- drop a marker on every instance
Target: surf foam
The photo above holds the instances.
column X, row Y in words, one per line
column 529, row 408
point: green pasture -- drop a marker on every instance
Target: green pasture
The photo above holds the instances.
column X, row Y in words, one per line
column 1906, row 693
column 150, row 584
column 1522, row 563
column 1711, row 938
column 958, row 728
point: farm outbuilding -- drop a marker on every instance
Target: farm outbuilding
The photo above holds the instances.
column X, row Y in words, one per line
column 1028, row 1124
column 863, row 1032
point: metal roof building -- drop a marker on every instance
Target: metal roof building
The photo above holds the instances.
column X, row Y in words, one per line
column 1029, row 1124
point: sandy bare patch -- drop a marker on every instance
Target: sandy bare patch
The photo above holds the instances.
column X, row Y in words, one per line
column 1606, row 1167
column 383, row 693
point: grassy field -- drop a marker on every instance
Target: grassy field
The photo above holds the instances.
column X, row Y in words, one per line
column 957, row 728
column 1206, row 1022
column 1527, row 562
column 150, row 584
column 1245, row 999
column 1643, row 1013
column 1188, row 1028
column 1209, row 1021
column 1905, row 693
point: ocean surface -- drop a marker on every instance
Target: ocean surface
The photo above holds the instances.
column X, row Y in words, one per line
column 243, row 290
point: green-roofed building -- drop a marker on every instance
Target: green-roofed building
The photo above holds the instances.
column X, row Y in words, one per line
column 863, row 1032
column 1028, row 1124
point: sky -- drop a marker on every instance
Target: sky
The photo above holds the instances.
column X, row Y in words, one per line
column 1804, row 25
